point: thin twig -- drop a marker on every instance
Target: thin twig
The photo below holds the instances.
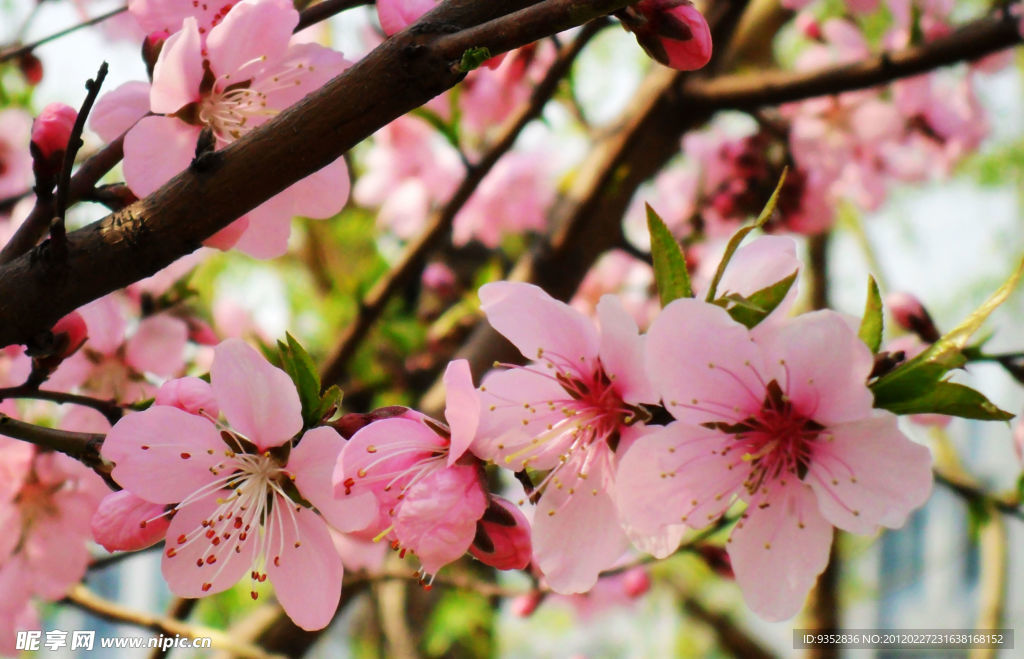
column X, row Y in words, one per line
column 180, row 608
column 83, row 446
column 968, row 491
column 321, row 11
column 17, row 51
column 84, row 599
column 58, row 235
column 440, row 223
column 108, row 408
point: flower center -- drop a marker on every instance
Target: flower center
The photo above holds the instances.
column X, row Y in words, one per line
column 230, row 112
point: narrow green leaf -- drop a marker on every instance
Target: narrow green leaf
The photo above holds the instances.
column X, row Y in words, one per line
column 952, row 399
column 300, row 368
column 871, row 324
column 753, row 309
column 914, row 378
column 669, row 261
column 737, row 238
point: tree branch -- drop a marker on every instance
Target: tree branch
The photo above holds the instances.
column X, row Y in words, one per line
column 84, row 599
column 108, row 408
column 82, row 446
column 321, row 11
column 372, row 306
column 17, row 51
column 401, row 74
column 973, row 41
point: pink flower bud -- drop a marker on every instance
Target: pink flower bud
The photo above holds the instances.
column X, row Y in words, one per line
column 70, row 333
column 502, row 537
column 807, row 25
column 525, row 605
column 51, row 130
column 31, row 68
column 636, row 582
column 124, row 522
column 672, row 32
column 910, row 314
column 439, row 278
column 201, row 333
column 190, row 394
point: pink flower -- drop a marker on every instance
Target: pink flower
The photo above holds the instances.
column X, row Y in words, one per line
column 257, row 70
column 169, row 15
column 15, row 161
column 51, row 131
column 566, row 413
column 429, row 499
column 781, row 419
column 248, row 497
column 672, row 32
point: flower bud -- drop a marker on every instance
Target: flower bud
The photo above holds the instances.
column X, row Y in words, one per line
column 124, row 522
column 51, row 130
column 636, row 582
column 70, row 333
column 151, row 47
column 672, row 32
column 525, row 605
column 31, row 68
column 808, row 26
column 189, row 394
column 910, row 314
column 502, row 537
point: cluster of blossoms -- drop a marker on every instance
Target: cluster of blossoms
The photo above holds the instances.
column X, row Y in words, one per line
column 777, row 420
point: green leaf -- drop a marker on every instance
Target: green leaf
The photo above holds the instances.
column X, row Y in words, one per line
column 300, row 368
column 952, row 399
column 753, row 309
column 917, row 377
column 669, row 261
column 472, row 58
column 738, row 237
column 871, row 324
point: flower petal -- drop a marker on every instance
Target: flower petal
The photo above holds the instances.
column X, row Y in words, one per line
column 761, row 263
column 158, row 345
column 622, row 352
column 124, row 522
column 777, row 552
column 576, row 531
column 155, row 150
column 829, row 390
column 163, row 454
column 253, row 32
column 258, row 399
column 704, row 364
column 312, row 462
column 119, row 109
column 462, row 407
column 537, row 324
column 178, row 72
column 869, row 473
column 307, row 572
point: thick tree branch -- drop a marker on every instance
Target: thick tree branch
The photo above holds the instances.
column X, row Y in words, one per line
column 372, row 306
column 83, row 446
column 108, row 408
column 404, row 72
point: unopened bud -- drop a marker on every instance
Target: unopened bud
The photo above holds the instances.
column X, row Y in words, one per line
column 70, row 333
column 672, row 32
column 910, row 314
column 189, row 394
column 125, row 522
column 636, row 582
column 502, row 537
column 51, row 131
column 807, row 25
column 32, row 68
column 525, row 605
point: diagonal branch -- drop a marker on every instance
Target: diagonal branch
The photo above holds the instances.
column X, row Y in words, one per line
column 403, row 73
column 83, row 446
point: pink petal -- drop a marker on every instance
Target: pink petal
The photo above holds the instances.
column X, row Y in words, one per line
column 269, row 225
column 190, row 394
column 761, row 263
column 155, row 150
column 227, row 237
column 58, row 556
column 703, row 363
column 437, row 519
column 312, row 462
column 158, row 346
column 15, row 463
column 868, row 473
column 829, row 390
column 124, row 522
column 186, row 566
column 396, row 15
column 661, row 543
column 258, row 399
column 622, row 352
column 253, row 29
column 119, row 109
column 307, row 572
column 778, row 552
column 178, row 72
column 105, row 323
column 10, row 518
column 323, row 193
column 577, row 535
column 537, row 324
column 149, row 450
column 509, row 534
column 462, row 409
column 306, row 67
column 677, row 475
